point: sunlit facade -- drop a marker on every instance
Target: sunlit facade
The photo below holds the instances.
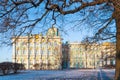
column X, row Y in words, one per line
column 108, row 53
column 84, row 55
column 48, row 52
column 38, row 51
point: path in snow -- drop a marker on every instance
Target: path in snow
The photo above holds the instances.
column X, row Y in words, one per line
column 91, row 74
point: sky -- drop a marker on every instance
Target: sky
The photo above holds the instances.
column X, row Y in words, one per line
column 6, row 54
column 71, row 36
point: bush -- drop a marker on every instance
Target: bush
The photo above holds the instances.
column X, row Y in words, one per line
column 8, row 67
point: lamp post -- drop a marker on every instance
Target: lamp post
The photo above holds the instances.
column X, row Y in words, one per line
column 14, row 42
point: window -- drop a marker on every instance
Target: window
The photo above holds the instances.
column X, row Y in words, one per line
column 30, row 50
column 55, row 43
column 48, row 52
column 23, row 50
column 17, row 50
column 37, row 50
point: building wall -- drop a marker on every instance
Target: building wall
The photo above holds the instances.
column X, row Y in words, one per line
column 47, row 52
column 44, row 51
column 65, row 55
column 82, row 55
column 109, row 51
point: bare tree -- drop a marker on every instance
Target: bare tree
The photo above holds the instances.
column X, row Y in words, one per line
column 15, row 15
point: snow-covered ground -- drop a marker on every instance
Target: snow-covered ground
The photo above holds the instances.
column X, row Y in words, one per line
column 91, row 74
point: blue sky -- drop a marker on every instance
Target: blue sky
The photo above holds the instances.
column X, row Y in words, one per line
column 71, row 36
column 81, row 30
column 6, row 52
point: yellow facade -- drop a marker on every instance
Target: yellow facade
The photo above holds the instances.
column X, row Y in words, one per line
column 47, row 52
column 38, row 49
column 84, row 55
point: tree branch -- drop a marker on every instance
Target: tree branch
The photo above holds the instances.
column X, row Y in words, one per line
column 82, row 6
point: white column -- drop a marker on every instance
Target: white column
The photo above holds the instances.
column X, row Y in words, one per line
column 28, row 54
column 13, row 52
column 34, row 51
column 40, row 52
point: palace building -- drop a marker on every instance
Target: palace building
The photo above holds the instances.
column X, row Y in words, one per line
column 38, row 51
column 48, row 52
column 86, row 55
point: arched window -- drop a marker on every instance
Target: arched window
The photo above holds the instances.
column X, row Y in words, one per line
column 30, row 50
column 55, row 43
column 24, row 50
column 17, row 50
column 37, row 50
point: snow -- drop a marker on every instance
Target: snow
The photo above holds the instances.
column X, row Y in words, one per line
column 54, row 74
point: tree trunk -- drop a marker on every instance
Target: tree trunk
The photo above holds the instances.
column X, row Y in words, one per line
column 117, row 18
column 117, row 73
